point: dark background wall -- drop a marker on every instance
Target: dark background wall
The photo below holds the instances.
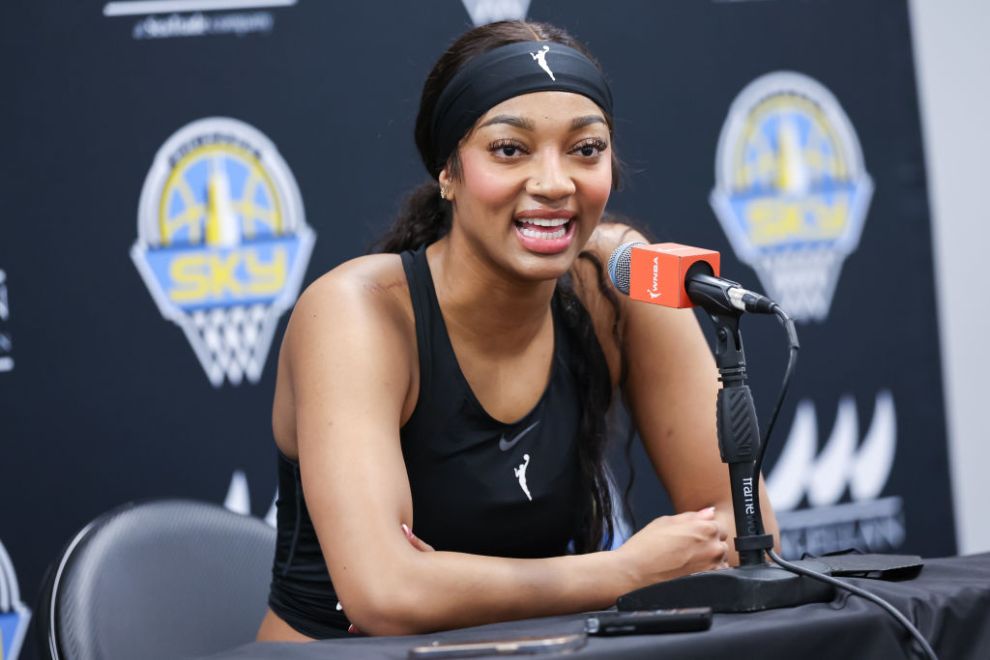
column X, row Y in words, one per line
column 105, row 401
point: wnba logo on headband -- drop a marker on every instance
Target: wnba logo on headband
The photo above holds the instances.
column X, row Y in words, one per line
column 541, row 58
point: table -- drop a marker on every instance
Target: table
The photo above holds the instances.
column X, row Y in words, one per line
column 949, row 602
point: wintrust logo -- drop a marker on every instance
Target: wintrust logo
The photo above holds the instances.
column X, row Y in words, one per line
column 170, row 19
column 654, row 289
column 821, row 480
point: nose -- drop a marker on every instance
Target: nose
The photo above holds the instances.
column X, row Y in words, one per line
column 550, row 178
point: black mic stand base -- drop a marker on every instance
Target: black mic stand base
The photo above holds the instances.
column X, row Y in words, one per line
column 742, row 589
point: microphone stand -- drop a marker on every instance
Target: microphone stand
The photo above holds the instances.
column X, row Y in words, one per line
column 755, row 584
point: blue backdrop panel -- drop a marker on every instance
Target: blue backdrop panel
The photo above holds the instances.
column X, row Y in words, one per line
column 171, row 180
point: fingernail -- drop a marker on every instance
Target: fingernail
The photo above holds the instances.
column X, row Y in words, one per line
column 407, row 531
column 710, row 509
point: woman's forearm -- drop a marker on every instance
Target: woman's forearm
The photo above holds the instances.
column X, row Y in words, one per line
column 427, row 591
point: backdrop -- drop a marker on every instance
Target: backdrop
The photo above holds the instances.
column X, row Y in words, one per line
column 174, row 173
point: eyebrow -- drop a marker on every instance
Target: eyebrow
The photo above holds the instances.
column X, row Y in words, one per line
column 511, row 120
column 526, row 124
column 581, row 122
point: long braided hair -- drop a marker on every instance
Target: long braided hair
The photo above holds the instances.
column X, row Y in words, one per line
column 425, row 218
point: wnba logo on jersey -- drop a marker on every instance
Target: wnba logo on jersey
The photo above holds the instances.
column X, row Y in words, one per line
column 14, row 614
column 791, row 190
column 222, row 243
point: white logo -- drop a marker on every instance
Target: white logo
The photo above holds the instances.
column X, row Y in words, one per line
column 520, row 473
column 655, row 284
column 14, row 614
column 824, row 480
column 164, row 19
column 489, row 11
column 867, row 523
column 541, row 58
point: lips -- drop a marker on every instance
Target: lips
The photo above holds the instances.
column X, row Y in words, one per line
column 545, row 231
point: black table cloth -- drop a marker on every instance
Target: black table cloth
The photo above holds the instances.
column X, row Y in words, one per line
column 949, row 602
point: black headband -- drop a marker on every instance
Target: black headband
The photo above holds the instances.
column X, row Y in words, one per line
column 508, row 71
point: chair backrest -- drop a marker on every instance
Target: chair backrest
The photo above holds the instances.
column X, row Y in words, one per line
column 163, row 579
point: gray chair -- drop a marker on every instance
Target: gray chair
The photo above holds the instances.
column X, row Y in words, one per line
column 164, row 579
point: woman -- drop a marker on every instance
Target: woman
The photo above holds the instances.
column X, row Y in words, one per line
column 462, row 384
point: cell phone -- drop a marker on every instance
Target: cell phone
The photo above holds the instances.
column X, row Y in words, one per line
column 688, row 619
column 519, row 646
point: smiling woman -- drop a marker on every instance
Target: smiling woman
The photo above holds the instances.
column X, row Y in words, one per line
column 457, row 383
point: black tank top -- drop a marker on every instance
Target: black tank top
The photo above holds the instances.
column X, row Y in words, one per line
column 478, row 485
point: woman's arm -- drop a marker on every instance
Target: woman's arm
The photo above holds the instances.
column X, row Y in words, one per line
column 671, row 384
column 351, row 357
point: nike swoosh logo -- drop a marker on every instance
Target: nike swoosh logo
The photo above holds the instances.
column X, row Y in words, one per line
column 506, row 445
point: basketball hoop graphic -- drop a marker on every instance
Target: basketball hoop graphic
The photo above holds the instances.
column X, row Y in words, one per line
column 223, row 243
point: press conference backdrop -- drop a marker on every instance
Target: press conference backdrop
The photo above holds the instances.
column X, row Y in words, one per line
column 175, row 173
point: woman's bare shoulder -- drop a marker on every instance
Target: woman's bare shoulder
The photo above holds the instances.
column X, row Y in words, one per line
column 375, row 283
column 365, row 294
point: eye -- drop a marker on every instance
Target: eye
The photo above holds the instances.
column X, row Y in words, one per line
column 506, row 149
column 591, row 148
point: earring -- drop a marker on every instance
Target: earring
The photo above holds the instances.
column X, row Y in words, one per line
column 443, row 192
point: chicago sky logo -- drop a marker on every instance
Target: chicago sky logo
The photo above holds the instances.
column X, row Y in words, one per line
column 821, row 479
column 791, row 190
column 14, row 614
column 222, row 242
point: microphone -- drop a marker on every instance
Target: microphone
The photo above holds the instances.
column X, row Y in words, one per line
column 675, row 275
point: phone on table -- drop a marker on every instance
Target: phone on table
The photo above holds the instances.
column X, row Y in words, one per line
column 688, row 619
column 519, row 646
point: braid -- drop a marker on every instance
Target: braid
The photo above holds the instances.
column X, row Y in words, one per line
column 595, row 527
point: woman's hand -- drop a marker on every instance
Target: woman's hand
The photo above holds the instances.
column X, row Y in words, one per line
column 672, row 546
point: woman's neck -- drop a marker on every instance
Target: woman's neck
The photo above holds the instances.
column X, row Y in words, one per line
column 481, row 303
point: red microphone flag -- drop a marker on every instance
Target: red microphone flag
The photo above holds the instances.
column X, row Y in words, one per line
column 657, row 272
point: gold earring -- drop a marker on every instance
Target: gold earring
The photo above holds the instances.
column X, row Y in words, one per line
column 443, row 192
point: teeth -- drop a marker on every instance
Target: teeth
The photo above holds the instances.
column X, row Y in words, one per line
column 546, row 235
column 546, row 222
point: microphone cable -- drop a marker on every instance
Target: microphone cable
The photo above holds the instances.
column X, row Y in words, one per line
column 863, row 593
column 793, row 347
